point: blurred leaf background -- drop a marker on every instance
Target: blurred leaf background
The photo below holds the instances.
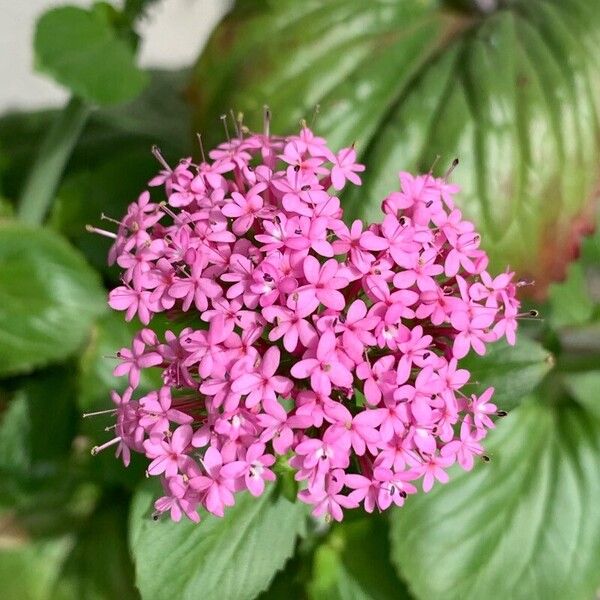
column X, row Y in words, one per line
column 510, row 87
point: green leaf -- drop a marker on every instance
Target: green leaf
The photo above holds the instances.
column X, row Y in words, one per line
column 39, row 483
column 20, row 135
column 91, row 563
column 48, row 298
column 289, row 582
column 570, row 303
column 513, row 371
column 515, row 94
column 526, row 525
column 81, row 50
column 354, row 564
column 99, row 566
column 233, row 557
column 7, row 210
column 585, row 389
column 134, row 9
column 28, row 571
column 44, row 403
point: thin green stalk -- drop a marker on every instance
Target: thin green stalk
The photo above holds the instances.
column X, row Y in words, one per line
column 42, row 182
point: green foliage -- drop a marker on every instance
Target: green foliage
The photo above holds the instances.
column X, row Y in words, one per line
column 40, row 484
column 570, row 303
column 99, row 571
column 49, row 297
column 82, row 51
column 585, row 389
column 233, row 557
column 513, row 371
column 525, row 525
column 354, row 564
column 29, row 571
column 94, row 564
column 158, row 116
column 515, row 94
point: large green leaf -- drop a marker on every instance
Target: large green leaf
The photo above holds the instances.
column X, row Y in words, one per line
column 99, row 566
column 233, row 557
column 570, row 303
column 354, row 564
column 48, row 298
column 90, row 564
column 513, row 371
column 40, row 484
column 43, row 403
column 82, row 51
column 514, row 93
column 29, row 571
column 585, row 389
column 526, row 525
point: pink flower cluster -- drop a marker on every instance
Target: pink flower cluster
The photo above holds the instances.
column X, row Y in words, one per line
column 332, row 347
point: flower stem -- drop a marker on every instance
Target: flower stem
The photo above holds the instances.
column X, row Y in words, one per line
column 42, row 181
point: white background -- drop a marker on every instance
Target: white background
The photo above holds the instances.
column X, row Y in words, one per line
column 173, row 34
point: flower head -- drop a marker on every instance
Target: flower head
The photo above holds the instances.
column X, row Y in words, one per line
column 337, row 345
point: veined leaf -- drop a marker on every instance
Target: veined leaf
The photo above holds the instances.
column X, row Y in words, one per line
column 514, row 93
column 81, row 50
column 523, row 526
column 49, row 297
column 233, row 557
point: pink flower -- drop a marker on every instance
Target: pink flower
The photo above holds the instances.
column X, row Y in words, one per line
column 254, row 469
column 358, row 432
column 323, row 285
column 356, row 328
column 414, row 350
column 472, row 332
column 169, row 454
column 466, row 247
column 323, row 369
column 329, row 502
column 345, row 168
column 433, row 470
column 464, row 449
column 136, row 359
column 132, row 301
column 245, row 208
column 360, row 245
column 347, row 367
column 380, row 379
column 481, row 407
column 216, row 485
column 262, row 385
column 180, row 499
column 206, row 348
column 291, row 324
column 195, row 288
column 156, row 410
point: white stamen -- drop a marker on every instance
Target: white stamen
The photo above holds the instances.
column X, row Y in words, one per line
column 96, row 449
column 108, row 234
column 160, row 158
column 99, row 412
